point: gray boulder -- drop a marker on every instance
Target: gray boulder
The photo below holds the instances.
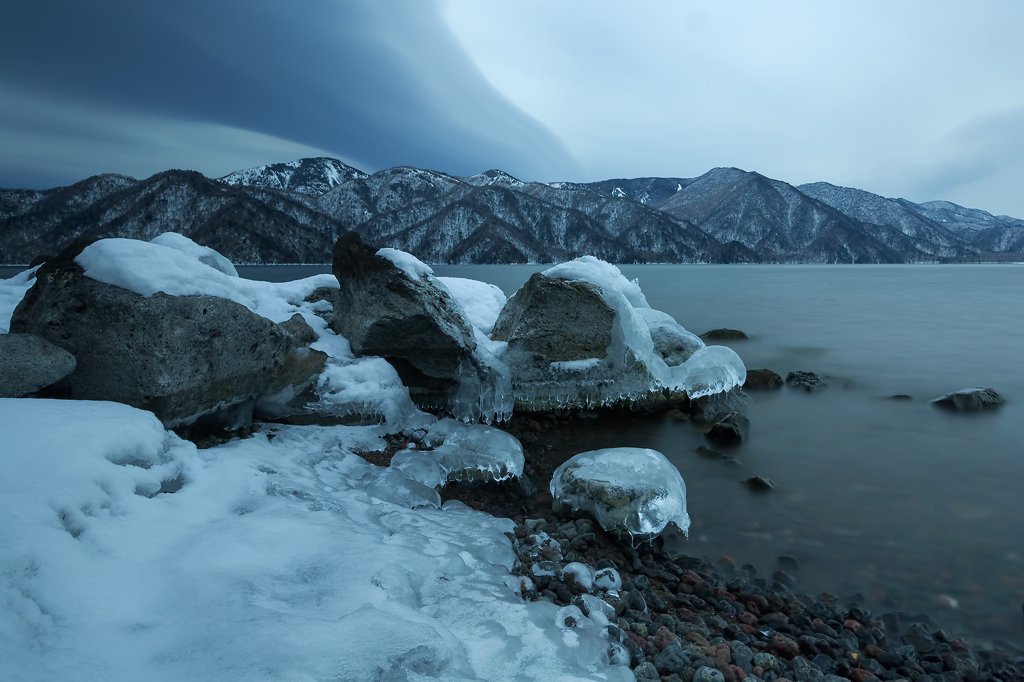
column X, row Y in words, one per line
column 418, row 327
column 562, row 351
column 29, row 363
column 808, row 381
column 556, row 320
column 180, row 357
column 969, row 399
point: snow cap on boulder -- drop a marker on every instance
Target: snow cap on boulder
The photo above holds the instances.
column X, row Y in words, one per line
column 632, row 490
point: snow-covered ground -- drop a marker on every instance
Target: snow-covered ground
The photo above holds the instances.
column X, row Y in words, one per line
column 127, row 554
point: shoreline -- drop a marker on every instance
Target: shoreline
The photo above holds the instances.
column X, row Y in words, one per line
column 715, row 612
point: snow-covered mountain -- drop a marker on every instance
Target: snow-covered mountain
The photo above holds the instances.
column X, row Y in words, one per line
column 295, row 212
column 305, row 176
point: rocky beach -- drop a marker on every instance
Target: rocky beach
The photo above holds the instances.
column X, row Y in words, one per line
column 270, row 405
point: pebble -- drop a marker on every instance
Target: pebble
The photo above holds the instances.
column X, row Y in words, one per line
column 688, row 619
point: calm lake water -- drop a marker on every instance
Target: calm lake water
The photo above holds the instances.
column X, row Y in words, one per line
column 913, row 507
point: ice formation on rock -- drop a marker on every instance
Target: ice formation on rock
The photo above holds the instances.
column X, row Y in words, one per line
column 649, row 351
column 633, row 490
column 462, row 453
column 203, row 254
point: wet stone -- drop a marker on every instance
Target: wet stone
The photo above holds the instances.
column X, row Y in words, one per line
column 671, row 659
column 706, row 674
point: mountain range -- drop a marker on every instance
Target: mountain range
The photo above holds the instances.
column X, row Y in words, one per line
column 294, row 212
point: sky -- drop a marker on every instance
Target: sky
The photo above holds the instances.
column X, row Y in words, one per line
column 921, row 99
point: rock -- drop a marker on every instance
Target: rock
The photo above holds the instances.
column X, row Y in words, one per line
column 707, row 674
column 628, row 490
column 724, row 334
column 804, row 671
column 297, row 326
column 671, row 659
column 29, row 363
column 559, row 336
column 731, row 429
column 900, row 396
column 646, row 671
column 760, row 483
column 969, row 399
column 418, row 327
column 809, row 381
column 762, row 380
column 710, row 408
column 180, row 357
column 561, row 321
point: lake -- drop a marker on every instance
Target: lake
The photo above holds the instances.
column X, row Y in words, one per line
column 913, row 507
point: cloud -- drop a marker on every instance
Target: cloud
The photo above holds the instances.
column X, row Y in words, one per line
column 381, row 84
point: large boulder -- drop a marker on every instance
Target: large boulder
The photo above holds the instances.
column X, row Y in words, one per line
column 394, row 308
column 29, row 363
column 181, row 357
column 556, row 320
column 566, row 348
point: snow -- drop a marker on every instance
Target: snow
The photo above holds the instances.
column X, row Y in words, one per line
column 203, row 254
column 481, row 301
column 635, row 490
column 12, row 290
column 366, row 387
column 278, row 558
column 407, row 263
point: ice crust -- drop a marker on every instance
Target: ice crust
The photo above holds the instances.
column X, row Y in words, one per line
column 462, row 453
column 12, row 290
column 407, row 263
column 203, row 254
column 633, row 490
column 283, row 558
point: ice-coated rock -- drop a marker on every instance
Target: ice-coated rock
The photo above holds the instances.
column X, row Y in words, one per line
column 632, row 490
column 714, row 369
column 582, row 335
column 462, row 453
column 390, row 305
column 674, row 344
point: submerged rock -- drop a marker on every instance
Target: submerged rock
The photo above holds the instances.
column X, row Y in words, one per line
column 396, row 310
column 29, row 363
column 762, row 380
column 809, row 381
column 180, row 357
column 724, row 334
column 760, row 483
column 969, row 399
column 630, row 490
column 732, row 429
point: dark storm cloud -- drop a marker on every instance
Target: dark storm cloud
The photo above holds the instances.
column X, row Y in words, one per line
column 380, row 83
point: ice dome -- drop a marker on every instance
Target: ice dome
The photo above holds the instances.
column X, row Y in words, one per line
column 635, row 490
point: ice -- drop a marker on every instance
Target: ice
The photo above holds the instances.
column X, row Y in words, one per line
column 203, row 254
column 714, row 369
column 635, row 490
column 282, row 556
column 649, row 351
column 462, row 452
column 581, row 573
column 674, row 344
column 11, row 292
column 407, row 263
column 368, row 387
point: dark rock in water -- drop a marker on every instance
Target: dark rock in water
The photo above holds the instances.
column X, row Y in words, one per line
column 900, row 396
column 413, row 324
column 760, row 483
column 181, row 357
column 762, row 380
column 724, row 335
column 788, row 564
column 969, row 399
column 710, row 408
column 29, row 363
column 809, row 381
column 732, row 429
column 560, row 320
column 705, row 451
